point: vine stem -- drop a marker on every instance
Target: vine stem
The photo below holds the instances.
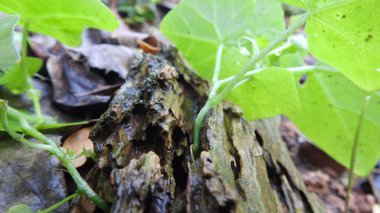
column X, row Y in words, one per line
column 32, row 93
column 49, row 145
column 214, row 100
column 14, row 134
column 60, row 203
column 82, row 186
column 359, row 127
column 218, row 62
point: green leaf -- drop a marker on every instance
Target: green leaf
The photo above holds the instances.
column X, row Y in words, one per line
column 348, row 38
column 269, row 19
column 61, row 19
column 14, row 79
column 8, row 52
column 291, row 60
column 198, row 27
column 268, row 93
column 20, row 208
column 346, row 35
column 331, row 106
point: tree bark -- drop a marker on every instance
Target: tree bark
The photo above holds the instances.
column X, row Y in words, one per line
column 143, row 143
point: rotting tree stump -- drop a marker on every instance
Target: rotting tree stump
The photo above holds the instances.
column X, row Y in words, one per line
column 145, row 164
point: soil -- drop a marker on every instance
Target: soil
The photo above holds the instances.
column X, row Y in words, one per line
column 324, row 176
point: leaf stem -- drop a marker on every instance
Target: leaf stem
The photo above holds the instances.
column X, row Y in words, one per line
column 82, row 185
column 32, row 93
column 60, row 203
column 359, row 127
column 218, row 62
column 281, row 48
column 247, row 75
column 214, row 100
column 15, row 113
column 14, row 134
column 214, row 89
column 310, row 68
column 47, row 144
column 62, row 125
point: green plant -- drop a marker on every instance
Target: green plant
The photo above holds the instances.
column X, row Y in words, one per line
column 65, row 22
column 138, row 11
column 8, row 53
column 246, row 53
column 367, row 101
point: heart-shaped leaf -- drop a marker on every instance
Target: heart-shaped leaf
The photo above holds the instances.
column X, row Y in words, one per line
column 13, row 78
column 331, row 106
column 61, row 19
column 8, row 52
column 346, row 35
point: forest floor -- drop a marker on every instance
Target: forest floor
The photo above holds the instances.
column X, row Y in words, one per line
column 86, row 95
column 327, row 178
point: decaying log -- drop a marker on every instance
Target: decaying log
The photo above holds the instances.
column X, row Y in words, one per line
column 143, row 143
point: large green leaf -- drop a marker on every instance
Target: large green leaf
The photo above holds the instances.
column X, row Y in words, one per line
column 269, row 19
column 268, row 93
column 198, row 27
column 62, row 19
column 331, row 105
column 13, row 78
column 8, row 52
column 346, row 35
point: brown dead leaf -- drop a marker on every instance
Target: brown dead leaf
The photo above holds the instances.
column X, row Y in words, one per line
column 149, row 45
column 109, row 57
column 70, row 78
column 77, row 142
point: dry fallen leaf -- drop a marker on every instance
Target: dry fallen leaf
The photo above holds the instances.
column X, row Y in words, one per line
column 77, row 142
column 149, row 45
column 70, row 78
column 115, row 58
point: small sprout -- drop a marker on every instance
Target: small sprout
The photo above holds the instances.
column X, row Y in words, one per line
column 78, row 144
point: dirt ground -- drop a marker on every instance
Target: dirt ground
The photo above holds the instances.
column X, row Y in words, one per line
column 326, row 177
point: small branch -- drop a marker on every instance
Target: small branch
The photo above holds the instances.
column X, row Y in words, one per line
column 359, row 127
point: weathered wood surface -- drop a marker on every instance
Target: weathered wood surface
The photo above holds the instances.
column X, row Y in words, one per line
column 143, row 143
